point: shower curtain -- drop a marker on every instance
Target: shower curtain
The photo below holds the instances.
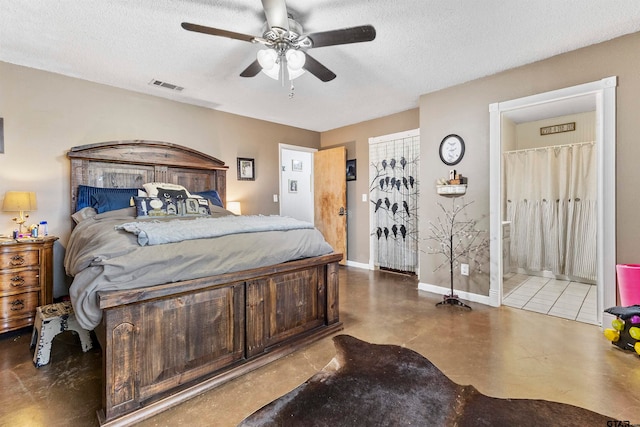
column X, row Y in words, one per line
column 551, row 203
column 394, row 196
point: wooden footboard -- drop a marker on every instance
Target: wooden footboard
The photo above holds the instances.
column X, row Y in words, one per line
column 165, row 344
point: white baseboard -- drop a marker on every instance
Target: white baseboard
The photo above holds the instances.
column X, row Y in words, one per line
column 358, row 265
column 467, row 296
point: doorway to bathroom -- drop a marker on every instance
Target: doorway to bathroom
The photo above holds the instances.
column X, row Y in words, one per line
column 564, row 273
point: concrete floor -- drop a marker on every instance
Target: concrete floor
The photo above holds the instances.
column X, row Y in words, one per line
column 504, row 352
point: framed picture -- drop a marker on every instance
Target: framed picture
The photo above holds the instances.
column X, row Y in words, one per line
column 351, row 170
column 293, row 186
column 296, row 165
column 246, row 169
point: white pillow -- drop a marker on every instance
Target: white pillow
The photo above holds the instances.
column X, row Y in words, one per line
column 152, row 188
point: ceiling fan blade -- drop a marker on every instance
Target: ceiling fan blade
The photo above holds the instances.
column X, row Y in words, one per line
column 252, row 70
column 276, row 13
column 217, row 32
column 363, row 33
column 317, row 69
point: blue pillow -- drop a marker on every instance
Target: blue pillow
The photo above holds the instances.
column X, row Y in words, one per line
column 212, row 196
column 85, row 192
column 102, row 202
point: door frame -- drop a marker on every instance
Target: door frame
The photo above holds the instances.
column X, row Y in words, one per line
column 604, row 91
column 281, row 147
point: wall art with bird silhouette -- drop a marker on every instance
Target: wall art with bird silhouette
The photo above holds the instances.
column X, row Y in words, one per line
column 393, row 193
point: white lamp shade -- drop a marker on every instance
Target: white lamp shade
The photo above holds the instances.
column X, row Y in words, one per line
column 295, row 59
column 234, row 207
column 19, row 201
column 267, row 58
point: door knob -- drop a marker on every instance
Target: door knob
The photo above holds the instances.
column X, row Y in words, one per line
column 342, row 212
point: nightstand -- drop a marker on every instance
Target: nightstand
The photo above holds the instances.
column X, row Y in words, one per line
column 26, row 280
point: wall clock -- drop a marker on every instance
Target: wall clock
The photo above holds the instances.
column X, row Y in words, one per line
column 451, row 150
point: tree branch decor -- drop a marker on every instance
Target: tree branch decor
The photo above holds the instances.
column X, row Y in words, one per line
column 456, row 239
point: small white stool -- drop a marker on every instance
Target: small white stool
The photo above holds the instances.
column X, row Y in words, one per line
column 51, row 320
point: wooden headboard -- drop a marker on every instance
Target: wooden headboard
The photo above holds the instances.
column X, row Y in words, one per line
column 131, row 163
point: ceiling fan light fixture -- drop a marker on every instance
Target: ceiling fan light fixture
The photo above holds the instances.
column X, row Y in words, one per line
column 268, row 60
column 295, row 59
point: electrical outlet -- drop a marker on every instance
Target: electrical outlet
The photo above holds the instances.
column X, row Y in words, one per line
column 464, row 269
column 275, row 198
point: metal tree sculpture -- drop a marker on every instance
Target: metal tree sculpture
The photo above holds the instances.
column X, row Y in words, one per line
column 456, row 239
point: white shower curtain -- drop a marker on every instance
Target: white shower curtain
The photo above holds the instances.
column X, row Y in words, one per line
column 551, row 203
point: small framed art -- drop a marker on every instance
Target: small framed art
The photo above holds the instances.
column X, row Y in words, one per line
column 296, row 165
column 351, row 170
column 246, row 169
column 293, row 186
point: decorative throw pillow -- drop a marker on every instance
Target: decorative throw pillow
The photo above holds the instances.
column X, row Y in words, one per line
column 212, row 195
column 152, row 187
column 147, row 207
column 166, row 193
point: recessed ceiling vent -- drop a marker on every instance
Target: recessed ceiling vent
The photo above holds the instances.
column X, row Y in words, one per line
column 155, row 82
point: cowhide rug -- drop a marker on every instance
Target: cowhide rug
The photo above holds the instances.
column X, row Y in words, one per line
column 388, row 385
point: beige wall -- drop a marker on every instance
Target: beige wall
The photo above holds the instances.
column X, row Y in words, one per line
column 45, row 114
column 528, row 134
column 463, row 110
column 356, row 139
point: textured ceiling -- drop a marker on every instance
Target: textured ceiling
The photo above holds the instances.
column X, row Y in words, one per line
column 421, row 46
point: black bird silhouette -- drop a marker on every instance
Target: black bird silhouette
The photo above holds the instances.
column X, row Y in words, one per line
column 386, row 233
column 395, row 230
column 379, row 232
column 382, row 183
column 394, row 208
column 393, row 163
column 386, row 180
column 378, row 203
column 393, row 182
column 406, row 207
column 384, row 164
column 403, row 162
column 405, row 182
column 411, row 181
column 398, row 185
column 387, row 202
column 403, row 231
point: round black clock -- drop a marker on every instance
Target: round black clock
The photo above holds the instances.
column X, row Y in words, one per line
column 451, row 150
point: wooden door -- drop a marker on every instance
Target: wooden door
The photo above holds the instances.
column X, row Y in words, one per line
column 330, row 197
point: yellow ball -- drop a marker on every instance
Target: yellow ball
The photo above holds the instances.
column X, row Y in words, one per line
column 617, row 324
column 636, row 347
column 634, row 332
column 612, row 335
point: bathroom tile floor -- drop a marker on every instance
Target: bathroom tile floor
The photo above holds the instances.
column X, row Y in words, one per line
column 560, row 298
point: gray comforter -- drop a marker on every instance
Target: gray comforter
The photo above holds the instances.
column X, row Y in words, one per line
column 101, row 258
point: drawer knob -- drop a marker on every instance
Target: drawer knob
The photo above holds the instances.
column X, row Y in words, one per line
column 17, row 281
column 17, row 305
column 17, row 260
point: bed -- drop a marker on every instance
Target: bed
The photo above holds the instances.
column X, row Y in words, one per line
column 167, row 338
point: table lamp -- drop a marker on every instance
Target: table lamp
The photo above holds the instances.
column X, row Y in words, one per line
column 20, row 201
column 234, row 207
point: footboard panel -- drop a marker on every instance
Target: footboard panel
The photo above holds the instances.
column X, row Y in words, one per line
column 160, row 342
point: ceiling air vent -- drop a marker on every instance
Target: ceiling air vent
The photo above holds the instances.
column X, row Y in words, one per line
column 166, row 85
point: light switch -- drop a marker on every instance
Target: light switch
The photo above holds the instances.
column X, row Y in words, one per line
column 364, row 197
column 275, row 198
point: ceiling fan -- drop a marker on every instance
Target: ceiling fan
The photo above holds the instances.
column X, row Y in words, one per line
column 286, row 46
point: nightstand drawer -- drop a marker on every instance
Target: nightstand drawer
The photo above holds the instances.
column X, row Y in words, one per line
column 18, row 259
column 19, row 281
column 17, row 306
